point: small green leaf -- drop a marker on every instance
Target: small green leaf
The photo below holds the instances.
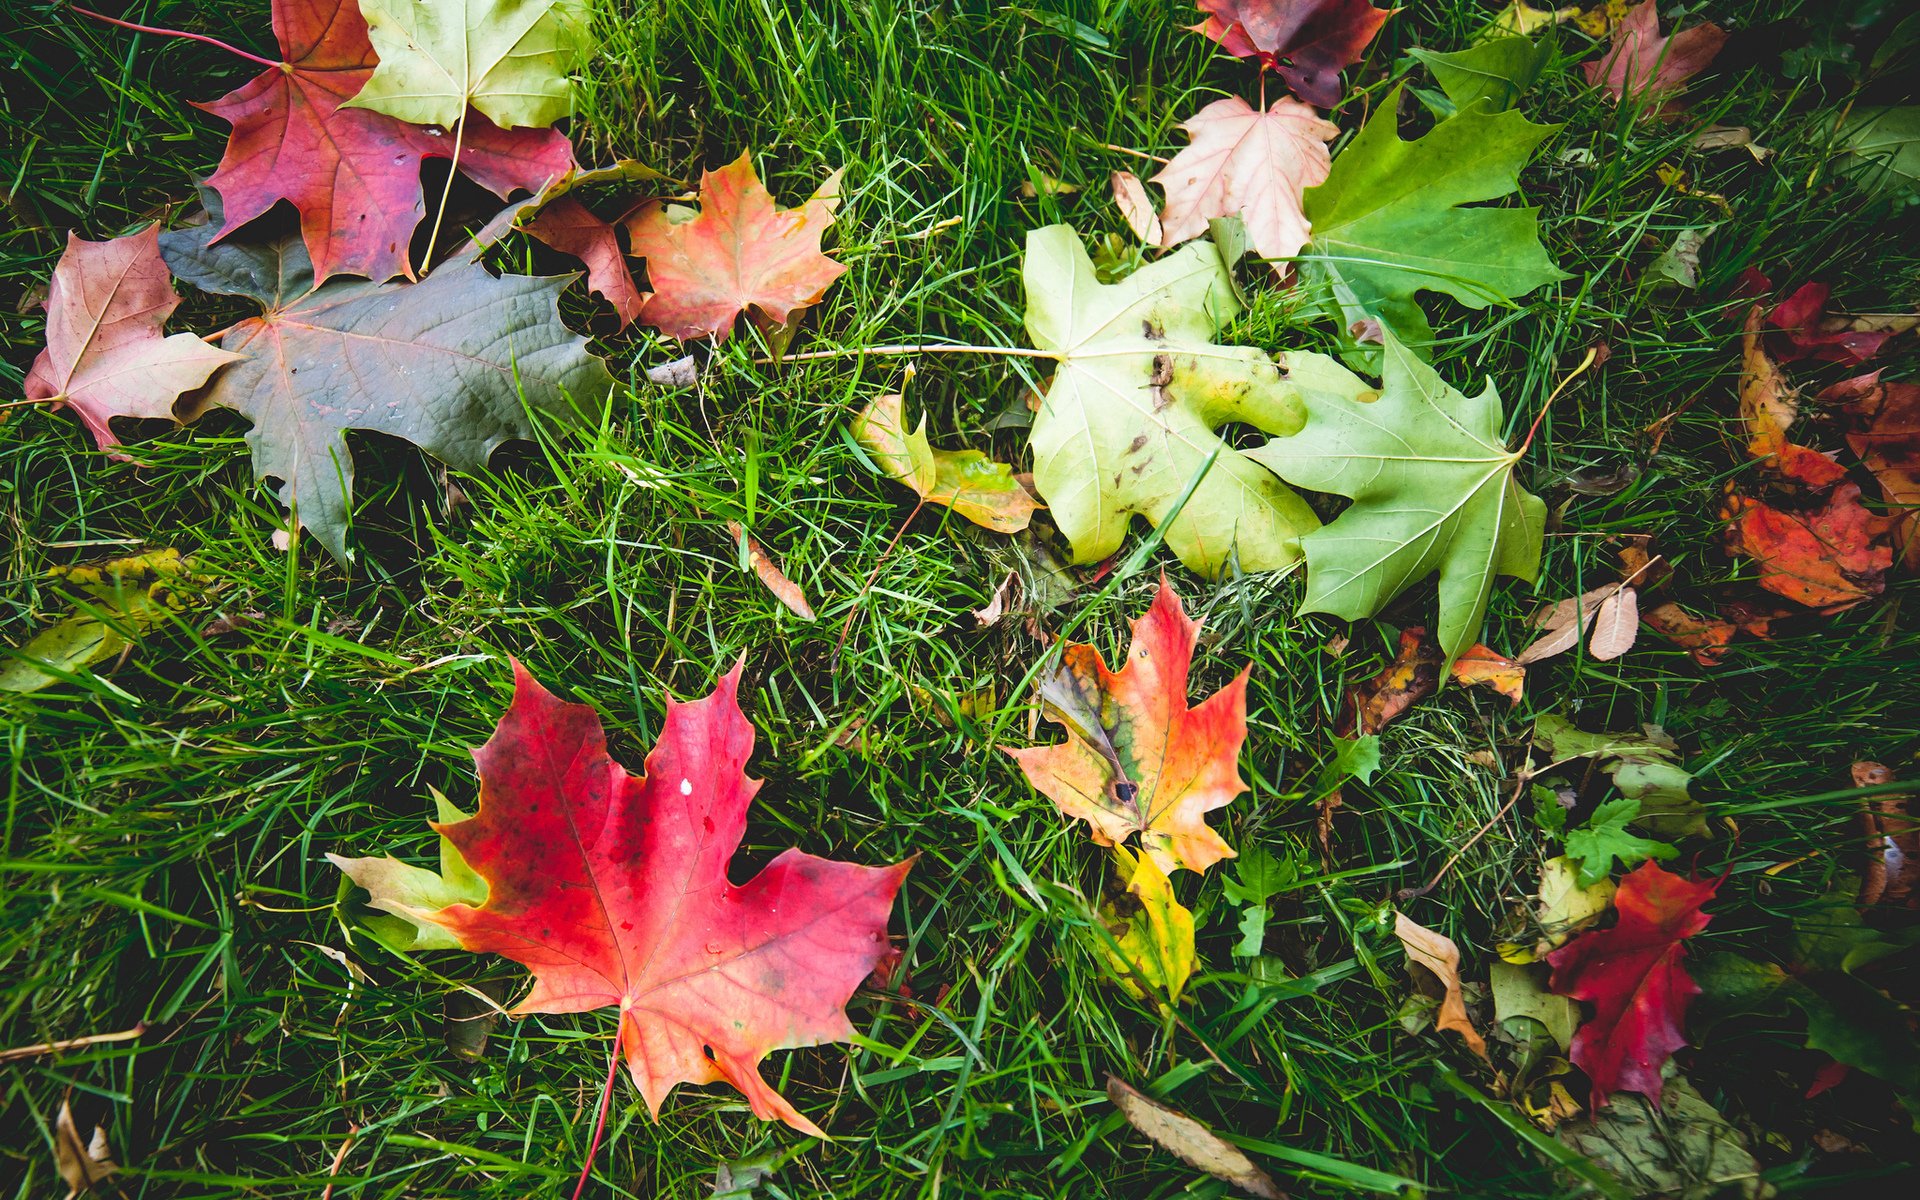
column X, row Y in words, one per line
column 1606, row 838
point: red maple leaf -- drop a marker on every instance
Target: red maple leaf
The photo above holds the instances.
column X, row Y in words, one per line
column 612, row 889
column 1642, row 63
column 1883, row 428
column 572, row 228
column 1308, row 42
column 1804, row 332
column 1633, row 976
column 354, row 174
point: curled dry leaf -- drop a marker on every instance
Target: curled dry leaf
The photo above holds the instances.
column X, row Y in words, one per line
column 996, row 608
column 967, row 481
column 739, row 254
column 1642, row 63
column 613, row 890
column 1892, row 871
column 106, row 356
column 124, row 598
column 785, row 590
column 1137, row 760
column 1412, row 676
column 81, row 1164
column 1883, row 428
column 1437, row 954
column 1190, row 1141
column 1308, row 42
column 1481, row 667
column 1705, row 639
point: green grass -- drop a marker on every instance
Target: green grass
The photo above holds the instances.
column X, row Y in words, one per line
column 166, row 819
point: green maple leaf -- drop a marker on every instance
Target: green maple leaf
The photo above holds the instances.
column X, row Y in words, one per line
column 1387, row 223
column 1433, row 490
column 455, row 364
column 1605, row 838
column 1128, row 421
column 507, row 58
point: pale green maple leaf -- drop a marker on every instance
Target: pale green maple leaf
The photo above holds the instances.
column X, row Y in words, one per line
column 508, row 58
column 1128, row 421
column 1433, row 490
column 1387, row 223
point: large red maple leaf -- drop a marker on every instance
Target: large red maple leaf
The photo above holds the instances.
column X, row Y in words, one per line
column 1632, row 974
column 1308, row 42
column 354, row 174
column 612, row 889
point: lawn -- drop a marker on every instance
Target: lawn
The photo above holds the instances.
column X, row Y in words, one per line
column 169, row 812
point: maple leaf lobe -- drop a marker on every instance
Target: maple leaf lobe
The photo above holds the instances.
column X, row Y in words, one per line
column 1308, row 42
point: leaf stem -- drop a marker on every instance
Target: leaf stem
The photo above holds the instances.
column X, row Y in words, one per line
column 1592, row 353
column 600, row 1122
column 941, row 348
column 453, row 166
column 177, row 33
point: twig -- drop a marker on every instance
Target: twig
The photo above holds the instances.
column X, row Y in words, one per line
column 96, row 1039
column 339, row 1157
column 1136, row 153
column 1519, row 785
column 192, row 37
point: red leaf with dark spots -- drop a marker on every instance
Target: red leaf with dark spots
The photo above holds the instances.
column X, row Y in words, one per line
column 1632, row 974
column 353, row 174
column 1827, row 557
column 612, row 889
column 1308, row 42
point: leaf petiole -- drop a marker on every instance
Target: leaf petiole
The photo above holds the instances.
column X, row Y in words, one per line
column 177, row 33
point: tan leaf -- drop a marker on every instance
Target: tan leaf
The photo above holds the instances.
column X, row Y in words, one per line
column 1618, row 624
column 1190, row 1141
column 1436, row 953
column 81, row 1164
column 1136, row 206
column 997, row 607
column 785, row 590
column 1248, row 164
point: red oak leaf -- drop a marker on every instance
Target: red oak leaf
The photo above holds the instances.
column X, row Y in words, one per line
column 1137, row 760
column 740, row 254
column 354, row 174
column 1307, row 41
column 105, row 355
column 1883, row 428
column 571, row 228
column 612, row 889
column 1642, row 63
column 1633, row 976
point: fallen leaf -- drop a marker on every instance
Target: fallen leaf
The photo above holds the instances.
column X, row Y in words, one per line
column 1679, row 1145
column 1308, row 42
column 785, row 590
column 1562, row 907
column 1830, row 557
column 1257, row 877
column 1137, row 760
column 1495, row 72
column 1768, row 402
column 1705, row 640
column 105, row 355
column 967, row 481
column 1480, row 666
column 1802, row 330
column 115, row 602
column 1436, row 953
column 1152, row 931
column 1411, row 677
column 740, row 254
column 1644, row 766
column 81, row 1164
column 1190, row 1141
column 1248, row 164
column 352, row 173
column 612, row 889
column 1886, row 144
column 1891, row 874
column 572, row 228
column 1604, row 838
column 1883, row 429
column 511, row 59
column 452, row 363
column 1642, row 64
column 1616, row 627
column 1390, row 210
column 1518, row 994
column 1564, row 623
column 1433, row 489
column 1679, row 263
column 1524, row 20
column 1136, row 207
column 1730, row 137
column 1632, row 974
column 996, row 608
column 1127, row 424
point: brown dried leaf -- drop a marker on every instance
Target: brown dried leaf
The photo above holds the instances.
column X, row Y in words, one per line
column 1436, row 953
column 1616, row 627
column 1190, row 1141
column 785, row 590
column 81, row 1164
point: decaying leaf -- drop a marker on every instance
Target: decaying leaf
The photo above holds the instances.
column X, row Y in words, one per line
column 1523, row 19
column 1412, row 676
column 1632, row 974
column 1678, row 1145
column 1433, row 489
column 1891, row 873
column 1153, row 930
column 511, row 59
column 1645, row 767
column 1517, row 993
column 1829, row 556
column 1705, row 639
column 740, row 253
column 785, row 590
column 1436, row 954
column 1562, row 908
column 1390, row 221
column 1248, row 164
column 1883, row 429
column 106, row 356
column 612, row 889
column 81, row 1163
column 115, row 603
column 352, row 173
column 1190, row 1141
column 1478, row 666
column 1641, row 63
column 1137, row 760
column 1307, row 41
column 1127, row 424
column 967, row 481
